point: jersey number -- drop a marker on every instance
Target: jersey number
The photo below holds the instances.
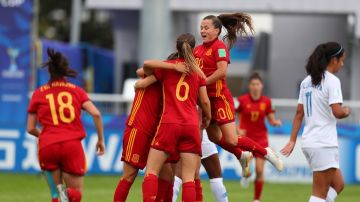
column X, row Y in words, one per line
column 182, row 84
column 62, row 106
column 308, row 104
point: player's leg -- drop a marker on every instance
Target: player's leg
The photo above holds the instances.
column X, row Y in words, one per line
column 125, row 183
column 213, row 169
column 190, row 162
column 321, row 183
column 177, row 181
column 336, row 186
column 154, row 164
column 198, row 186
column 53, row 178
column 74, row 184
column 259, row 178
column 165, row 181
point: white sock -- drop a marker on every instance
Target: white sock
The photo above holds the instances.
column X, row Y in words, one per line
column 176, row 189
column 331, row 195
column 316, row 199
column 218, row 190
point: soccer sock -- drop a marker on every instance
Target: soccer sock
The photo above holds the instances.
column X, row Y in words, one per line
column 163, row 186
column 169, row 192
column 176, row 189
column 188, row 192
column 228, row 147
column 54, row 200
column 249, row 145
column 316, row 199
column 218, row 189
column 198, row 190
column 258, row 189
column 122, row 190
column 150, row 188
column 74, row 195
column 331, row 195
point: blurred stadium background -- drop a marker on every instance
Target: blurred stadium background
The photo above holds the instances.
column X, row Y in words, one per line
column 107, row 40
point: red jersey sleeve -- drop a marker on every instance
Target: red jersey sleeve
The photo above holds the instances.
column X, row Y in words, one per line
column 33, row 106
column 269, row 107
column 240, row 107
column 82, row 95
column 221, row 53
column 158, row 73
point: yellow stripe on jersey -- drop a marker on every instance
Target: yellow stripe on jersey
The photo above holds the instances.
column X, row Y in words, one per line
column 130, row 144
column 218, row 88
column 228, row 108
column 136, row 106
column 157, row 128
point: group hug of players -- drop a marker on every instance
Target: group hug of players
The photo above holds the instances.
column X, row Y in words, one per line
column 174, row 102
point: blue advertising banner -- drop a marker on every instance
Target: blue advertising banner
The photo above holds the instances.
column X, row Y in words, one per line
column 15, row 47
column 18, row 153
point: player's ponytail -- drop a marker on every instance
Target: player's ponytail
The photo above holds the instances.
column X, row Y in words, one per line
column 320, row 59
column 185, row 44
column 234, row 23
column 58, row 65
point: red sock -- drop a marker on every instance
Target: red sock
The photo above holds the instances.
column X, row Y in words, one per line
column 122, row 190
column 54, row 200
column 169, row 192
column 188, row 192
column 150, row 188
column 74, row 195
column 249, row 145
column 258, row 189
column 198, row 190
column 163, row 186
column 228, row 147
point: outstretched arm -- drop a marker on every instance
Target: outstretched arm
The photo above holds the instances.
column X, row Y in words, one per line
column 149, row 65
column 145, row 82
column 273, row 121
column 31, row 125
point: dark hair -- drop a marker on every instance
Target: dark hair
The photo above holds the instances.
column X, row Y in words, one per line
column 184, row 45
column 320, row 59
column 234, row 24
column 255, row 76
column 58, row 66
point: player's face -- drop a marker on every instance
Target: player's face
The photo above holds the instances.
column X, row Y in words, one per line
column 255, row 86
column 207, row 31
column 339, row 63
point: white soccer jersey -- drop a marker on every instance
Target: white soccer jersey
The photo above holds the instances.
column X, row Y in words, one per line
column 320, row 123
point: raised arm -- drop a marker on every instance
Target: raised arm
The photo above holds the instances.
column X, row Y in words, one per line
column 145, row 82
column 149, row 65
column 96, row 115
column 219, row 73
column 286, row 151
column 205, row 106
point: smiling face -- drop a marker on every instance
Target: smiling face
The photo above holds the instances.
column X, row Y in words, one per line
column 208, row 31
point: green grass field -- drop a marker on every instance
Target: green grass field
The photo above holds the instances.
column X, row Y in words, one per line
column 33, row 188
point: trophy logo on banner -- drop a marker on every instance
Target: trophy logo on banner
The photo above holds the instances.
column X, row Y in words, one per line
column 13, row 70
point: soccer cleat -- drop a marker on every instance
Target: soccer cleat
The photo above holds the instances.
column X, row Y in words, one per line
column 62, row 193
column 274, row 159
column 245, row 162
column 244, row 182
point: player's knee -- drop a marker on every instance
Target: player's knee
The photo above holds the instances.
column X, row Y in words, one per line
column 130, row 177
column 75, row 195
column 339, row 187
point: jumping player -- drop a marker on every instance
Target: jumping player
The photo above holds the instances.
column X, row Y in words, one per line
column 178, row 131
column 57, row 106
column 253, row 109
column 320, row 102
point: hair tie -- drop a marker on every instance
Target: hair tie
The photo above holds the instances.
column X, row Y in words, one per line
column 337, row 53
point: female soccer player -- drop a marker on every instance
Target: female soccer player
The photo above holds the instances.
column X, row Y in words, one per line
column 252, row 111
column 213, row 57
column 178, row 131
column 140, row 130
column 57, row 106
column 320, row 102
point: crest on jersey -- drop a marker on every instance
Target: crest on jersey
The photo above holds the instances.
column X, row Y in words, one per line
column 208, row 52
column 262, row 106
column 248, row 106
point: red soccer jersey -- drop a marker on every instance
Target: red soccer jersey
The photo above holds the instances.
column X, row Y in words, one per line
column 180, row 93
column 208, row 54
column 146, row 109
column 253, row 114
column 58, row 108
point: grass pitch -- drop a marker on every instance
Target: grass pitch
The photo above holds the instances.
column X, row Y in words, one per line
column 33, row 188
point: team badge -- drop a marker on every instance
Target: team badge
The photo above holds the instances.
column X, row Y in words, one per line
column 262, row 106
column 208, row 52
column 135, row 158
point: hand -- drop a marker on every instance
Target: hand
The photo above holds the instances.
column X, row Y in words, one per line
column 286, row 151
column 182, row 68
column 277, row 123
column 205, row 122
column 346, row 111
column 100, row 148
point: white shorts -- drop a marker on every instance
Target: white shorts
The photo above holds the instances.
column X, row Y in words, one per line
column 208, row 148
column 320, row 159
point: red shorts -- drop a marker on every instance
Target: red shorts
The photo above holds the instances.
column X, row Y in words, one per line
column 222, row 108
column 136, row 146
column 67, row 156
column 177, row 138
